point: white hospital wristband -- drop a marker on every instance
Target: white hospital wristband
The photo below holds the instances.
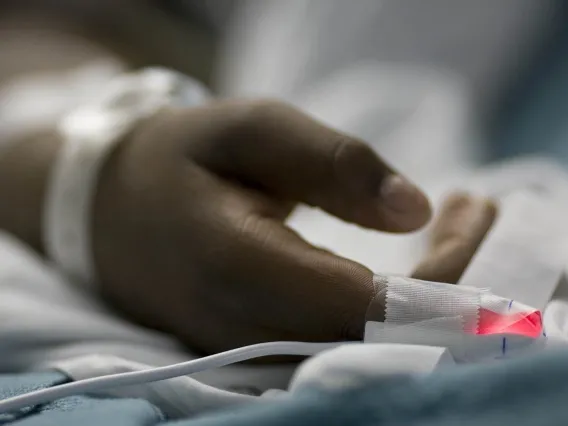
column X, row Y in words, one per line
column 89, row 134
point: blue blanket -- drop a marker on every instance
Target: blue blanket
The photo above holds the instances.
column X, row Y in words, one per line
column 531, row 391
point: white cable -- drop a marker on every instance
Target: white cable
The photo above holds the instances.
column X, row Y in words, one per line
column 162, row 373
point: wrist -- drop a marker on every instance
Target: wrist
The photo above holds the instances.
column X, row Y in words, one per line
column 91, row 133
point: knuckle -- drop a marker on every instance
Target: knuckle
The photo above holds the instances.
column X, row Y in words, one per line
column 462, row 215
column 468, row 205
column 253, row 234
column 355, row 165
column 349, row 150
column 458, row 201
column 250, row 123
column 261, row 114
column 460, row 246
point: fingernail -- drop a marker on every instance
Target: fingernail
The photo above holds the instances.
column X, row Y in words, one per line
column 401, row 196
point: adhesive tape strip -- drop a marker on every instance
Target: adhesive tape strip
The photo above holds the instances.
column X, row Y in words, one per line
column 521, row 258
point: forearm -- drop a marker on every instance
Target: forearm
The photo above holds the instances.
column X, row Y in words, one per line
column 28, row 151
column 24, row 171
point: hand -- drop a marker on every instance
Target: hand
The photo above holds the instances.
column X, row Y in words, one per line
column 189, row 234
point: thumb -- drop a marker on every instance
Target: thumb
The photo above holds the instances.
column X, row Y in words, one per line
column 281, row 150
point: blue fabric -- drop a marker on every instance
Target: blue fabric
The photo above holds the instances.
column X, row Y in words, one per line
column 531, row 391
column 73, row 411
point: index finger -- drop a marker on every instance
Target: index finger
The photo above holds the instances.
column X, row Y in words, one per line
column 460, row 228
column 296, row 288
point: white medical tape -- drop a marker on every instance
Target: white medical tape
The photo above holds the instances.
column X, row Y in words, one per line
column 522, row 257
column 464, row 347
column 472, row 323
column 495, row 311
column 411, row 301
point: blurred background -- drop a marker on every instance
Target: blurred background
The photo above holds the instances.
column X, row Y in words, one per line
column 488, row 73
column 439, row 87
column 493, row 70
